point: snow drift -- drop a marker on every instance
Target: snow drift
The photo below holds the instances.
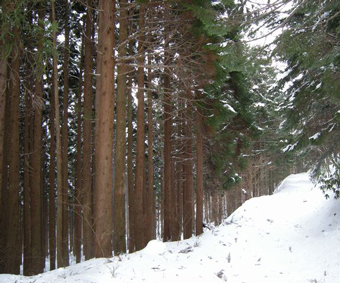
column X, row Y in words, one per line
column 291, row 236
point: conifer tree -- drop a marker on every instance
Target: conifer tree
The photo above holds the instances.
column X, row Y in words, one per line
column 119, row 243
column 104, row 138
column 139, row 177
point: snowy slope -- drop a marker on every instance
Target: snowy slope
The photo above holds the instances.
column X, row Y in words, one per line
column 291, row 236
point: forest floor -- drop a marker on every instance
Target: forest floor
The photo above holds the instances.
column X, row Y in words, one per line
column 292, row 236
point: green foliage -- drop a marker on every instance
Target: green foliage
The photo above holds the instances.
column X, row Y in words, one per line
column 310, row 47
column 11, row 16
column 327, row 176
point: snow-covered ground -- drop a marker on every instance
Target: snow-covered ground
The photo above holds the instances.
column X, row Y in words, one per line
column 292, row 236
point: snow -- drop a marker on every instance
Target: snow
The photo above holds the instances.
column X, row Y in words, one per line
column 291, row 236
column 315, row 136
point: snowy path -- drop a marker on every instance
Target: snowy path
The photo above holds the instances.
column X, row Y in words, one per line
column 290, row 237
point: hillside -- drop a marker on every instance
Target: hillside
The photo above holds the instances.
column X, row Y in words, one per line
column 291, row 236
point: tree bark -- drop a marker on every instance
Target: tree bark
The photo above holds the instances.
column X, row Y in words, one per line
column 131, row 191
column 139, row 187
column 13, row 245
column 78, row 177
column 36, row 193
column 64, row 141
column 104, row 140
column 3, row 200
column 59, row 153
column 199, row 178
column 87, row 150
column 167, row 139
column 4, row 216
column 3, row 87
column 52, row 220
column 189, row 182
column 119, row 243
column 150, row 213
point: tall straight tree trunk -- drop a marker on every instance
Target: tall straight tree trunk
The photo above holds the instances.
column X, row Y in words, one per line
column 150, row 206
column 87, row 150
column 4, row 216
column 59, row 153
column 119, row 242
column 14, row 245
column 199, row 178
column 180, row 165
column 3, row 87
column 52, row 236
column 131, row 191
column 36, row 194
column 64, row 141
column 167, row 138
column 28, row 139
column 78, row 181
column 189, row 182
column 139, row 187
column 4, row 117
column 104, row 140
column 44, row 209
column 27, row 180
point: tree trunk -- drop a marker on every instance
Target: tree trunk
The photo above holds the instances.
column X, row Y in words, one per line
column 3, row 164
column 59, row 153
column 167, row 138
column 180, row 167
column 36, row 193
column 139, row 187
column 150, row 213
column 119, row 243
column 140, row 155
column 104, row 140
column 131, row 193
column 189, row 182
column 27, row 178
column 13, row 244
column 52, row 236
column 78, row 177
column 87, row 153
column 64, row 141
column 4, row 216
column 3, row 87
column 199, row 178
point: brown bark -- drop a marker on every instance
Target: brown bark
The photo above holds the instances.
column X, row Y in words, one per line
column 179, row 191
column 52, row 222
column 44, row 209
column 214, row 207
column 150, row 213
column 28, row 149
column 104, row 140
column 78, row 181
column 167, row 139
column 199, row 178
column 87, row 154
column 4, row 216
column 180, row 167
column 64, row 141
column 36, row 194
column 220, row 207
column 139, row 186
column 189, row 182
column 59, row 153
column 13, row 244
column 27, row 180
column 131, row 193
column 3, row 87
column 119, row 243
